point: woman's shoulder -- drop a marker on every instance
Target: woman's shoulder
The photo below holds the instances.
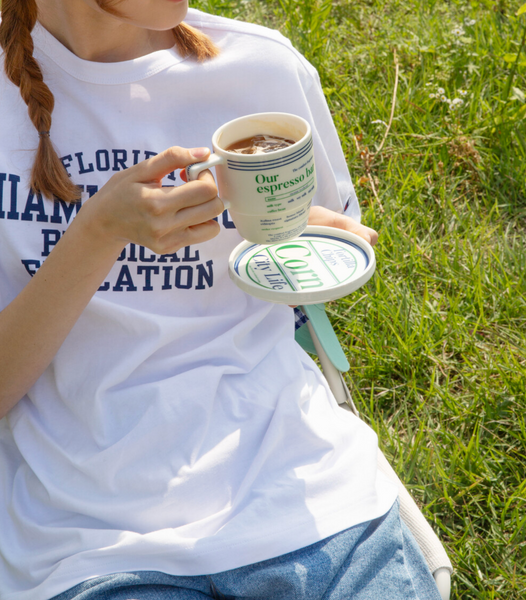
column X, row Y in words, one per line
column 256, row 40
column 203, row 20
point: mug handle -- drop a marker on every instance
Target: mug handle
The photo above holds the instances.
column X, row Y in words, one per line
column 192, row 171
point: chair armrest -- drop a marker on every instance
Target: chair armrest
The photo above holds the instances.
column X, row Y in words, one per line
column 324, row 331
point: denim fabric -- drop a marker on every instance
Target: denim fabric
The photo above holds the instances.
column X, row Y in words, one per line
column 373, row 560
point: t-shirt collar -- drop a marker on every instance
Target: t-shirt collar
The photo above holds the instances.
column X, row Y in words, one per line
column 103, row 73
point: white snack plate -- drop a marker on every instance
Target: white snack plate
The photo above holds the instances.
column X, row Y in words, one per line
column 322, row 264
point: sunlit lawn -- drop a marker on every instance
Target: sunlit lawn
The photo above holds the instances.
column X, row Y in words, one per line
column 437, row 340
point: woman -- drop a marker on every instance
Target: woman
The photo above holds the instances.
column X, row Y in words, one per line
column 164, row 436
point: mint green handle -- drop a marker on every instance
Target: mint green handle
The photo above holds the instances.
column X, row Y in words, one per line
column 325, row 332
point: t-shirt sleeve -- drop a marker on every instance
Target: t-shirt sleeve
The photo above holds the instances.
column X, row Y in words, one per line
column 277, row 78
column 335, row 188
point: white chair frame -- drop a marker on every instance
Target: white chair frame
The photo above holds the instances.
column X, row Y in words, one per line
column 433, row 550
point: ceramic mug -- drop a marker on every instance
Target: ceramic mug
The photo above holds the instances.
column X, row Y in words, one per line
column 267, row 195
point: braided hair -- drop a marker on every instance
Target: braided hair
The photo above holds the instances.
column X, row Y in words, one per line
column 48, row 175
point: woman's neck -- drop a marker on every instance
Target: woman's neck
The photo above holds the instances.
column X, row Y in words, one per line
column 95, row 35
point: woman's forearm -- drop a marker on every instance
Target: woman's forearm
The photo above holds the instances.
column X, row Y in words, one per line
column 132, row 207
column 35, row 324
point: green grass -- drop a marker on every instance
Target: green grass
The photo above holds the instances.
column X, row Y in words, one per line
column 437, row 339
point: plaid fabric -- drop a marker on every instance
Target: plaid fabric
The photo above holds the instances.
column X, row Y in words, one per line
column 300, row 318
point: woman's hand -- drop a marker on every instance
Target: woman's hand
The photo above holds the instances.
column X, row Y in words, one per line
column 134, row 207
column 320, row 215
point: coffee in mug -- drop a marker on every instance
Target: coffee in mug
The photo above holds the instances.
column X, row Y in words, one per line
column 268, row 194
column 260, row 144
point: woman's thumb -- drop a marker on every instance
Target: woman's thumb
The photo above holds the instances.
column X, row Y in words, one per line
column 157, row 167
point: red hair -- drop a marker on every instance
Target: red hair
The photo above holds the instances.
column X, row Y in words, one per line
column 48, row 175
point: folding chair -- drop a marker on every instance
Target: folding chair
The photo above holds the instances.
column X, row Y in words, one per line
column 318, row 337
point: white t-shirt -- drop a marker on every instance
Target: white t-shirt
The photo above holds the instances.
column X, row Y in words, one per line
column 179, row 428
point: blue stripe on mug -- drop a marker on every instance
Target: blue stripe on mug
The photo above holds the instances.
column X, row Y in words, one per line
column 256, row 167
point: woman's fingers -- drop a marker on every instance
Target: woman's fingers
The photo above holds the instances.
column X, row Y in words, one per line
column 192, row 193
column 171, row 209
column 194, row 234
column 168, row 230
column 135, row 207
column 193, row 215
column 320, row 215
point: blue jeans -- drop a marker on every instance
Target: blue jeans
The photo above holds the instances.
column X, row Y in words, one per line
column 373, row 560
